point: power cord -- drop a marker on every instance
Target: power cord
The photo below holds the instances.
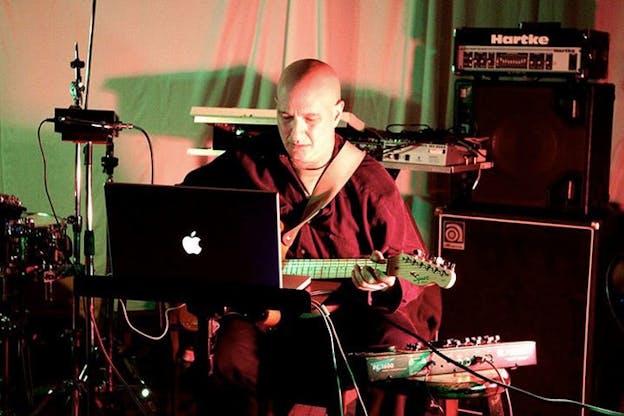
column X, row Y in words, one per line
column 500, row 376
column 45, row 168
column 332, row 342
column 151, row 150
column 110, row 362
column 146, row 335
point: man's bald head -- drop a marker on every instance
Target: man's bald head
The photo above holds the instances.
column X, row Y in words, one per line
column 308, row 110
column 311, row 74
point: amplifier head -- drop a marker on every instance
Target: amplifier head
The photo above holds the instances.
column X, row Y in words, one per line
column 533, row 50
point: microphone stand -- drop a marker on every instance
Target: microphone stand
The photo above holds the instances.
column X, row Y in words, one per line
column 83, row 383
column 89, row 243
column 86, row 373
column 77, row 269
column 109, row 162
column 76, row 90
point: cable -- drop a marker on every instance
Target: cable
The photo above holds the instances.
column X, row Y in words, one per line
column 325, row 313
column 151, row 152
column 389, row 150
column 466, row 144
column 477, row 179
column 508, row 386
column 45, row 168
column 148, row 336
column 608, row 277
column 424, row 127
column 109, row 360
column 115, row 128
column 489, row 361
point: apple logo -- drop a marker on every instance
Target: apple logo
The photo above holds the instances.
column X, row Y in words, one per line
column 191, row 244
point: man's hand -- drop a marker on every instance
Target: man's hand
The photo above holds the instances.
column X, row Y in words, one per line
column 367, row 279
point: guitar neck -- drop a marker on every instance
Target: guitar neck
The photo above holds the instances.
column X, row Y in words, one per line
column 415, row 269
column 327, row 268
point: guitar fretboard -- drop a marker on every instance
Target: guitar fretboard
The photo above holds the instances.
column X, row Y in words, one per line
column 327, row 268
column 415, row 269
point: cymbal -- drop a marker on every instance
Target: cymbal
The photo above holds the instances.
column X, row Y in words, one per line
column 10, row 206
column 40, row 219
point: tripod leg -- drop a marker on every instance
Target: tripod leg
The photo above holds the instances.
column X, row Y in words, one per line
column 24, row 355
column 15, row 392
column 4, row 396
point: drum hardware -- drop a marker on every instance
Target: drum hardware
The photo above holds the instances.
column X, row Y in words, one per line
column 35, row 253
column 15, row 380
column 10, row 207
column 35, row 258
column 7, row 325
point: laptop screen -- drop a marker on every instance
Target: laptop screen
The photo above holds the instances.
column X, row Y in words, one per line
column 193, row 239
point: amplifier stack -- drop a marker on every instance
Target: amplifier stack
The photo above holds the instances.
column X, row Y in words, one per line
column 533, row 91
column 533, row 237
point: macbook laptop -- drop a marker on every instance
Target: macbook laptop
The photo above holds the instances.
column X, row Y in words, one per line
column 182, row 242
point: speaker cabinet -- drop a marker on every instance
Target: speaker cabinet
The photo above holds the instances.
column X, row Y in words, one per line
column 539, row 280
column 550, row 143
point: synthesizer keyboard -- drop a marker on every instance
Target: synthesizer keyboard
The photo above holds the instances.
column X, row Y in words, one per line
column 419, row 362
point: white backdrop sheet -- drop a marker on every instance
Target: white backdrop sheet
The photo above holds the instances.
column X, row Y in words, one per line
column 151, row 60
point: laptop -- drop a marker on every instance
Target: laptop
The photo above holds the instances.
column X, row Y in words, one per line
column 179, row 242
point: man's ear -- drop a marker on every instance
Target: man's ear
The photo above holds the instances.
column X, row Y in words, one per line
column 338, row 108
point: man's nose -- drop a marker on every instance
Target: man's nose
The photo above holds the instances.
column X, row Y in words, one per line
column 299, row 130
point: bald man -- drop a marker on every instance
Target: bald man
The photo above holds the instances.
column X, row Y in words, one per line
column 258, row 371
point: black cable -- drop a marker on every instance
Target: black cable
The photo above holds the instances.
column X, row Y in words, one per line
column 151, row 152
column 135, row 399
column 390, row 126
column 610, row 270
column 45, row 168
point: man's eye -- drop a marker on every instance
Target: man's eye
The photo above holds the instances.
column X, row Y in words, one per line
column 312, row 119
column 286, row 117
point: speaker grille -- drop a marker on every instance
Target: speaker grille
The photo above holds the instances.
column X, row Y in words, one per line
column 549, row 281
column 550, row 144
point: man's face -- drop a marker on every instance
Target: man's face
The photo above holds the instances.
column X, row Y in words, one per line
column 307, row 114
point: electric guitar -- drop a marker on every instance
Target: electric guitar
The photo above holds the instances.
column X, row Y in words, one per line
column 414, row 268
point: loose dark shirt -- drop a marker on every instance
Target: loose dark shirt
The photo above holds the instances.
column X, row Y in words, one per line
column 367, row 214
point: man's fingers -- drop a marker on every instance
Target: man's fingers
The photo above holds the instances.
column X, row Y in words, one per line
column 377, row 256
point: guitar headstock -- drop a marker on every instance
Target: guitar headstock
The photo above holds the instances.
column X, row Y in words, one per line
column 422, row 271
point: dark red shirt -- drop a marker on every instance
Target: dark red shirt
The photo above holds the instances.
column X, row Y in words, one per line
column 367, row 214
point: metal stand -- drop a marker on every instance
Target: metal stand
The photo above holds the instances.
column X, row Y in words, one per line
column 84, row 386
column 15, row 392
column 80, row 339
